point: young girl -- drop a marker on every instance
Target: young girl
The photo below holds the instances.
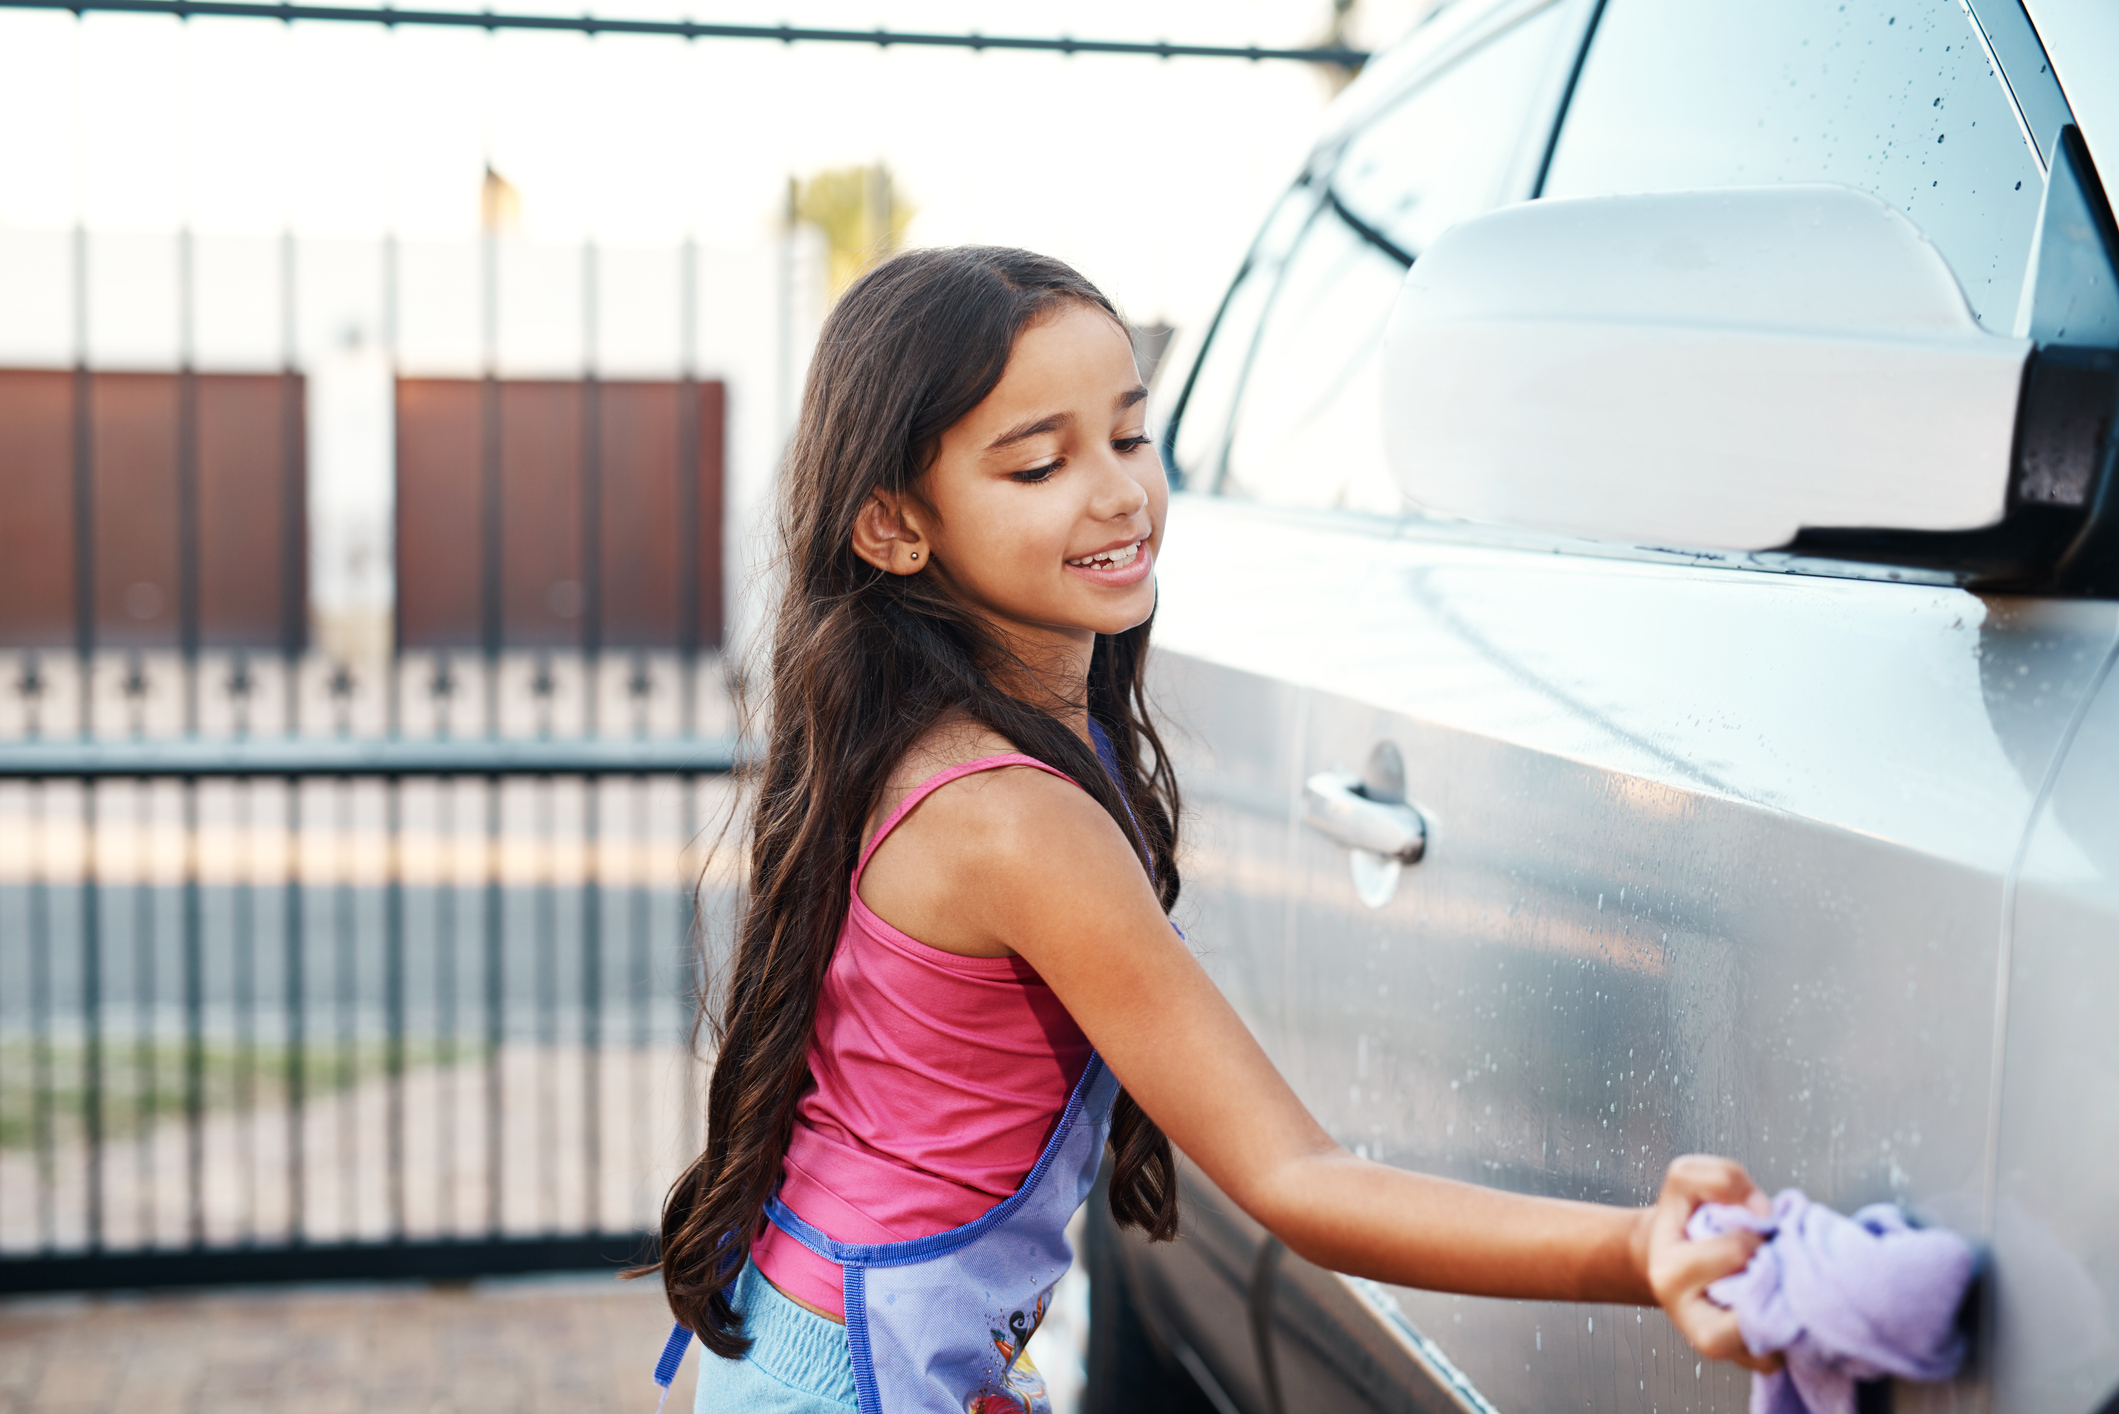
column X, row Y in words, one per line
column 954, row 981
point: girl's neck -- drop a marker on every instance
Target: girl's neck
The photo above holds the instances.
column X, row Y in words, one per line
column 1050, row 675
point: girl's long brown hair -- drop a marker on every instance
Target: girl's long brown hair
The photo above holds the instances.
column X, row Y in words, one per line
column 862, row 663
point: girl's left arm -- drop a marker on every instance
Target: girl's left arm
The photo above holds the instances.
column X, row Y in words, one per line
column 1053, row 876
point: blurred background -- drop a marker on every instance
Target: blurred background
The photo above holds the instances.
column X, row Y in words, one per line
column 387, row 415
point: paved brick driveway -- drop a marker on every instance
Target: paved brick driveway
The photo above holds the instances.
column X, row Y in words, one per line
column 582, row 1344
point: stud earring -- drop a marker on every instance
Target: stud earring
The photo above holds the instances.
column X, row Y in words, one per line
column 916, row 554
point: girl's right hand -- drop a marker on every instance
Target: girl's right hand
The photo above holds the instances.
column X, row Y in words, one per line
column 1679, row 1270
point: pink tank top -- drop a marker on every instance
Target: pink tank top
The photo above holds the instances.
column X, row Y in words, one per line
column 938, row 1080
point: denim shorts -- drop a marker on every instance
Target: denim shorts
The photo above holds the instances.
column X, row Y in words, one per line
column 797, row 1363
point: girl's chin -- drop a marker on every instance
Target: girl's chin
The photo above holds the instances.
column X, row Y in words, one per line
column 1103, row 611
column 1129, row 612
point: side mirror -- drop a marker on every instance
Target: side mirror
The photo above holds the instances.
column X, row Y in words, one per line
column 1749, row 369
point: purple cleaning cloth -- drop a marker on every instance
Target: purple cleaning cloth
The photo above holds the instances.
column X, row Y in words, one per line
column 1843, row 1299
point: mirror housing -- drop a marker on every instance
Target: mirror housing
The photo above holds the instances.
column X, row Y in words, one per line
column 1715, row 369
column 1789, row 369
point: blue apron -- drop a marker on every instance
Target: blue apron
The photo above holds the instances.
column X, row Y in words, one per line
column 940, row 1323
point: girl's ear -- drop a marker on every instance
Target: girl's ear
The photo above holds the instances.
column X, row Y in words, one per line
column 887, row 534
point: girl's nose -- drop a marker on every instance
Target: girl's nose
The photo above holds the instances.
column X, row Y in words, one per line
column 1122, row 495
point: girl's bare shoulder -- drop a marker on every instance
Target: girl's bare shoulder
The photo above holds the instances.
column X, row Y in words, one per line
column 953, row 741
column 945, row 873
column 1007, row 812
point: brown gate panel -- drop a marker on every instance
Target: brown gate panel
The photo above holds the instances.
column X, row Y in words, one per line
column 661, row 540
column 641, row 525
column 642, row 460
column 36, row 508
column 253, row 520
column 249, row 457
column 438, row 448
column 541, row 456
column 133, row 437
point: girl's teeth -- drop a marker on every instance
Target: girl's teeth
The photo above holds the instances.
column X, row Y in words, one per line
column 1110, row 559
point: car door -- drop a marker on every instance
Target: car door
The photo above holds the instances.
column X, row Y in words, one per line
column 1469, row 100
column 1717, row 850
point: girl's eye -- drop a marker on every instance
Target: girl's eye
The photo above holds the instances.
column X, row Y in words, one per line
column 1125, row 445
column 1038, row 473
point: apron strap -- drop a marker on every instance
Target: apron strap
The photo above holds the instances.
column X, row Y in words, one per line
column 1109, row 756
column 672, row 1356
column 1110, row 760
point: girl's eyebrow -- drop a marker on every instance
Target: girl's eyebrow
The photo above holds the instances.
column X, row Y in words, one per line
column 1050, row 422
column 1054, row 421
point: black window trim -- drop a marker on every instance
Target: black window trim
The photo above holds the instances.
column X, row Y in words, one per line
column 1567, row 100
column 1367, row 232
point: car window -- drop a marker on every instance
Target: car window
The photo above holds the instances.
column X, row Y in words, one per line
column 1308, row 428
column 1898, row 100
column 1201, row 415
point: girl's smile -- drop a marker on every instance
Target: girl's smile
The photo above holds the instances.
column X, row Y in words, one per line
column 1130, row 563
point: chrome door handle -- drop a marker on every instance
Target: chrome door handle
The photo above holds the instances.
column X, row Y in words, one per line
column 1335, row 805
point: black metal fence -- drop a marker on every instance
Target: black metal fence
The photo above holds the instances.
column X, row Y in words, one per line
column 281, row 1006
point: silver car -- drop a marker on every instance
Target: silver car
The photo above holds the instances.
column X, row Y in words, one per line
column 1638, row 619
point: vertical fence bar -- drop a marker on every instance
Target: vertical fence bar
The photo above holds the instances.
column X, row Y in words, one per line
column 690, row 554
column 84, row 492
column 784, row 364
column 495, row 1034
column 297, row 1028
column 194, row 1024
column 394, row 998
column 489, row 481
column 91, row 1014
column 40, row 1063
column 35, row 878
column 689, row 974
column 592, row 682
column 591, row 1007
column 688, row 548
column 187, row 527
column 243, row 922
column 294, row 519
column 546, row 982
column 445, row 1021
column 393, row 685
column 640, row 987
column 591, row 497
column 147, row 1098
column 344, row 997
